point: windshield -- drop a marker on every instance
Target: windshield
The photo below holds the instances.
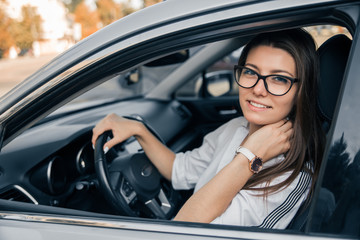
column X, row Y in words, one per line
column 136, row 82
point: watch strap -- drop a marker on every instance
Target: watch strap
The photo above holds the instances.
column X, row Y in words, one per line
column 246, row 152
column 255, row 163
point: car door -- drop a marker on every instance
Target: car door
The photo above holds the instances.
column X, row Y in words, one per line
column 337, row 198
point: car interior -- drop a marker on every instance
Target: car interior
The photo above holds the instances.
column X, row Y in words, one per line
column 66, row 177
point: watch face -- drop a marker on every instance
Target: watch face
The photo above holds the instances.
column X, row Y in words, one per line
column 256, row 165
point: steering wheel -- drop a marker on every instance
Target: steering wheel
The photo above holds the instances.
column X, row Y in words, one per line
column 132, row 184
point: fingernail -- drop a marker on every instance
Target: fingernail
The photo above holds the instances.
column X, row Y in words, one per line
column 106, row 149
column 93, row 146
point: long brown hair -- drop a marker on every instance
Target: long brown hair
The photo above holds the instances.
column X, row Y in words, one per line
column 308, row 140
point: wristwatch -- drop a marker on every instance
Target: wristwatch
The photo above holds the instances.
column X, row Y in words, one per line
column 255, row 162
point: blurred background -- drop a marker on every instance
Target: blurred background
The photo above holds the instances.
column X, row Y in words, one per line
column 32, row 32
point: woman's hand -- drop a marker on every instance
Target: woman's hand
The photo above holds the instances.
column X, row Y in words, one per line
column 121, row 128
column 270, row 140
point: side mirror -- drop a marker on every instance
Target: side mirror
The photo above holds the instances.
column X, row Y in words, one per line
column 132, row 77
column 218, row 83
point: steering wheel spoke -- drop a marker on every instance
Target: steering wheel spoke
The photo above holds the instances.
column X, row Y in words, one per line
column 160, row 205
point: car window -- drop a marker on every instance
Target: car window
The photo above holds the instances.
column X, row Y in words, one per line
column 338, row 205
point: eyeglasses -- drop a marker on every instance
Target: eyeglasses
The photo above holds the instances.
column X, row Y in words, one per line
column 277, row 85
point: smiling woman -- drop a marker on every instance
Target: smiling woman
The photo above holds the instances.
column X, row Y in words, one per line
column 264, row 134
column 277, row 53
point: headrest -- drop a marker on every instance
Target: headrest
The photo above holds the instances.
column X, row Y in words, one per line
column 333, row 55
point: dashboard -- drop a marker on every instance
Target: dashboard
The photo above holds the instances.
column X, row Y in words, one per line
column 52, row 163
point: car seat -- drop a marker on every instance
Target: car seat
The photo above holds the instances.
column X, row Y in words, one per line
column 333, row 55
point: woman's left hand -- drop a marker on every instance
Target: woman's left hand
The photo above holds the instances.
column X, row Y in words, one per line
column 270, row 140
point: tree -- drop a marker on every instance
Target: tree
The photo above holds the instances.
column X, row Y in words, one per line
column 338, row 162
column 28, row 30
column 71, row 4
column 108, row 11
column 6, row 40
column 127, row 8
column 89, row 20
column 148, row 3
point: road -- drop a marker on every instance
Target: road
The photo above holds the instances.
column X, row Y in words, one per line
column 16, row 70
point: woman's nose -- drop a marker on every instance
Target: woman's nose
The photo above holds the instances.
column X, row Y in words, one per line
column 259, row 88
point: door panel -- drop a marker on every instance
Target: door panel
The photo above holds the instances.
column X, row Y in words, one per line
column 213, row 110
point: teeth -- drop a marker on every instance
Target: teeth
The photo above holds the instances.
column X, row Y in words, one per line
column 258, row 105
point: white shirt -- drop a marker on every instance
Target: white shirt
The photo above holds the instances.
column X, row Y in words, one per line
column 193, row 169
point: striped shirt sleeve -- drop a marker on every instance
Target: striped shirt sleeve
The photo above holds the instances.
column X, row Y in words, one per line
column 276, row 211
column 278, row 217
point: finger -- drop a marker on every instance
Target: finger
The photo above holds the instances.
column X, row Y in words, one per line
column 106, row 124
column 287, row 147
column 94, row 137
column 279, row 123
column 112, row 142
column 97, row 131
column 286, row 126
column 289, row 133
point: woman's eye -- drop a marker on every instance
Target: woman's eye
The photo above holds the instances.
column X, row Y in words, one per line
column 249, row 72
column 280, row 79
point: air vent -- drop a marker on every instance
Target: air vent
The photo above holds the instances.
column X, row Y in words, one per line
column 17, row 193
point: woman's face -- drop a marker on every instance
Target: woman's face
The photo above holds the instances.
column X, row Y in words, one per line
column 258, row 105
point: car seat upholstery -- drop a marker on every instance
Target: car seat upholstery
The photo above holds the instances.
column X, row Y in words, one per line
column 333, row 55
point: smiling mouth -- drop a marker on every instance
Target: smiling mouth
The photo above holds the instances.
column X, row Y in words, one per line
column 258, row 105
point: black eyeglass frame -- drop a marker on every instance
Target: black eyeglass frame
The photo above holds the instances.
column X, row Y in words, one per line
column 262, row 77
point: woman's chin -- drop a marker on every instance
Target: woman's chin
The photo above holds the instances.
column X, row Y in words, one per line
column 260, row 121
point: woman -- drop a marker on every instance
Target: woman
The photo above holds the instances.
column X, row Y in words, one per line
column 255, row 170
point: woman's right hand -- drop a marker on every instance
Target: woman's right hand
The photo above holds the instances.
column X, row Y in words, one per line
column 121, row 128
